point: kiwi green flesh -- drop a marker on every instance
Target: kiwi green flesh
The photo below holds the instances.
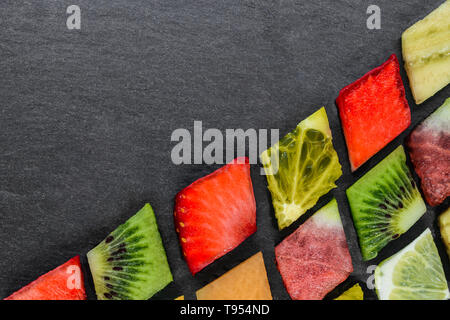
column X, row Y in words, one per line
column 131, row 263
column 384, row 203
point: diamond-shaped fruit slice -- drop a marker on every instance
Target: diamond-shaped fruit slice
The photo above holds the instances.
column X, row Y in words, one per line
column 385, row 203
column 413, row 273
column 429, row 148
column 215, row 214
column 426, row 51
column 63, row 283
column 301, row 167
column 444, row 225
column 131, row 263
column 315, row 258
column 247, row 281
column 373, row 111
column 354, row 293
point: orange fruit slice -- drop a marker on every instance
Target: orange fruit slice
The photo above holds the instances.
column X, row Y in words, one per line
column 247, row 281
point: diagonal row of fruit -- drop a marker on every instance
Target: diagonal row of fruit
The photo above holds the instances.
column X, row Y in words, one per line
column 216, row 213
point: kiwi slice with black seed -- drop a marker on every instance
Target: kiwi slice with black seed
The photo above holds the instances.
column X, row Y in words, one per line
column 384, row 203
column 131, row 263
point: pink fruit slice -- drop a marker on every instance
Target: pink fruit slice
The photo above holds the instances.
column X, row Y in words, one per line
column 315, row 258
column 429, row 148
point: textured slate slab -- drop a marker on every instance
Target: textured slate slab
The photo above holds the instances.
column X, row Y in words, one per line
column 86, row 116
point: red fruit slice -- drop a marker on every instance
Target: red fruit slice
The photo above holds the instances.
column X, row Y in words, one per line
column 63, row 283
column 373, row 111
column 429, row 148
column 215, row 214
column 315, row 258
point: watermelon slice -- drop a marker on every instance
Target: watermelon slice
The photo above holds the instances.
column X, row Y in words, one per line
column 63, row 283
column 429, row 148
column 215, row 214
column 373, row 111
column 247, row 281
column 315, row 258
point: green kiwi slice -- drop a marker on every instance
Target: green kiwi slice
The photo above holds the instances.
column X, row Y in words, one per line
column 131, row 263
column 384, row 203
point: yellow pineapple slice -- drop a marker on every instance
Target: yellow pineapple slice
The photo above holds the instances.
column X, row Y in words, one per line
column 354, row 293
column 426, row 51
column 444, row 224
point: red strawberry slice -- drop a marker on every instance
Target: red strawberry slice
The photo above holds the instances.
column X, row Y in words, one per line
column 63, row 283
column 215, row 214
column 373, row 111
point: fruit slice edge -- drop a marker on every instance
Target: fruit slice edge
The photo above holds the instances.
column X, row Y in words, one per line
column 301, row 167
column 246, row 281
column 315, row 258
column 130, row 263
column 62, row 283
column 426, row 52
column 373, row 111
column 215, row 214
column 384, row 203
column 413, row 273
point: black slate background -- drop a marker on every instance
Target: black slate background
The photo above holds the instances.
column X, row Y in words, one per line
column 86, row 116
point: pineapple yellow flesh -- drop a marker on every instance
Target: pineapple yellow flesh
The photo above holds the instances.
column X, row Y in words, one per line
column 426, row 52
column 444, row 224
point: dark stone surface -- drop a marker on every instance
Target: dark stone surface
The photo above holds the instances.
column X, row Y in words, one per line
column 86, row 116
